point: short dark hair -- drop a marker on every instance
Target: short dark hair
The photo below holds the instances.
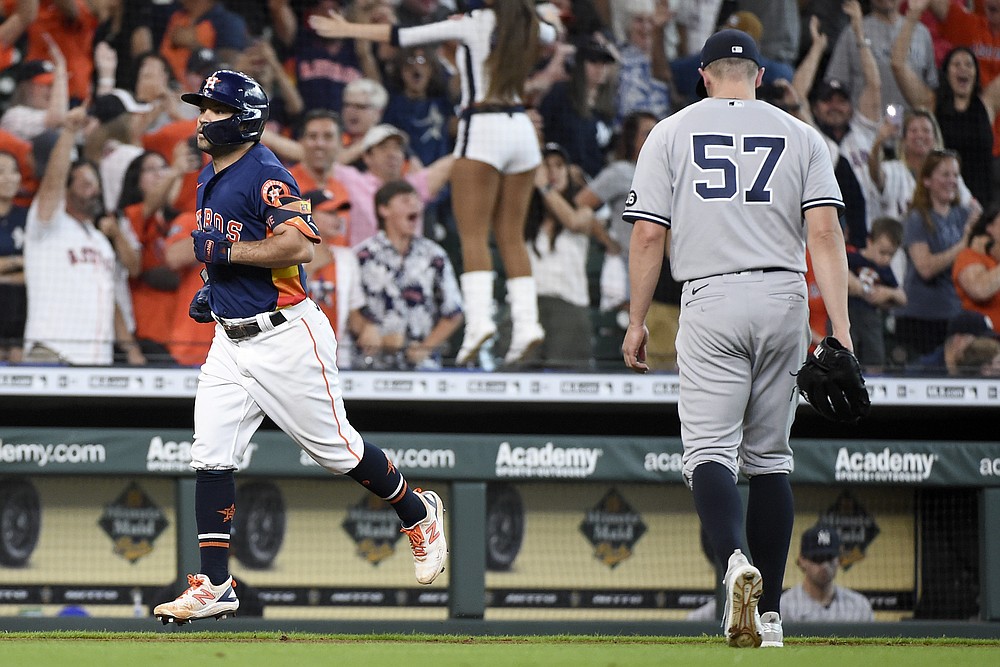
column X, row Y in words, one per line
column 386, row 193
column 314, row 114
column 889, row 227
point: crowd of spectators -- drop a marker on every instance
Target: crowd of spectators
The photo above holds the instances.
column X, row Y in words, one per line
column 98, row 169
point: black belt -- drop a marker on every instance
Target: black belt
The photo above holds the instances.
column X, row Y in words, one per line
column 492, row 108
column 251, row 328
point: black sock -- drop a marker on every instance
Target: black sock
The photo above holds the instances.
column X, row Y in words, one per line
column 214, row 506
column 376, row 473
column 770, row 515
column 719, row 507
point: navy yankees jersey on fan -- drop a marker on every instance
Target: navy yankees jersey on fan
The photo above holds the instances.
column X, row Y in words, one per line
column 246, row 201
column 732, row 179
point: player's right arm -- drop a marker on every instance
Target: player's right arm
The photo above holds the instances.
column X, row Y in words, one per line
column 51, row 191
column 286, row 247
column 644, row 262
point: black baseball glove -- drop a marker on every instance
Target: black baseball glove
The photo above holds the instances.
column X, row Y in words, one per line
column 831, row 381
column 199, row 310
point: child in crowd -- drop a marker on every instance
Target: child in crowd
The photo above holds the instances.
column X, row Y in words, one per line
column 873, row 290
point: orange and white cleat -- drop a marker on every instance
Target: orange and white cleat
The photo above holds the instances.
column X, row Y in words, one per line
column 202, row 599
column 427, row 540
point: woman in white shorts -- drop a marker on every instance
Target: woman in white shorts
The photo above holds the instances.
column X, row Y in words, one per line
column 497, row 150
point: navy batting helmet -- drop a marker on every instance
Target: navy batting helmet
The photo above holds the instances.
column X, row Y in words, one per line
column 244, row 96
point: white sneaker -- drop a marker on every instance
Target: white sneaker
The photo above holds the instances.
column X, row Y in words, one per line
column 770, row 630
column 202, row 599
column 744, row 586
column 427, row 540
column 523, row 339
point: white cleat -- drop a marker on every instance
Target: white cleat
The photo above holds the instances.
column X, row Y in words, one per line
column 202, row 599
column 744, row 586
column 427, row 540
column 770, row 630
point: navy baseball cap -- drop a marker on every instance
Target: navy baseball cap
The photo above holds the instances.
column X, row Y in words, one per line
column 826, row 90
column 971, row 323
column 821, row 542
column 728, row 43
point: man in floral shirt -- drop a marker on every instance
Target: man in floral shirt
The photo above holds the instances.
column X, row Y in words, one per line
column 410, row 286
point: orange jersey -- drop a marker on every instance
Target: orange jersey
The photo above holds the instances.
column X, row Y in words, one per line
column 188, row 341
column 75, row 39
column 154, row 308
column 966, row 258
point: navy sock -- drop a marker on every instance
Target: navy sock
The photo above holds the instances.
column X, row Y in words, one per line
column 770, row 515
column 720, row 509
column 215, row 506
column 376, row 473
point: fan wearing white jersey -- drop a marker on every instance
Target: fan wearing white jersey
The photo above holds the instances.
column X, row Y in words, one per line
column 728, row 180
column 497, row 152
column 69, row 262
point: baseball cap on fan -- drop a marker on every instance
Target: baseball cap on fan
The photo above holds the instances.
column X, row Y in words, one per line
column 327, row 200
column 380, row 133
column 825, row 90
column 728, row 43
column 106, row 108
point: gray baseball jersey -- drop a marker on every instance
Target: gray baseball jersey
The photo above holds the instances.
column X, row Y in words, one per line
column 731, row 179
column 847, row 606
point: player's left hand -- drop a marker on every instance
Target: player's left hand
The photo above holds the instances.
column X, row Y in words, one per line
column 211, row 246
column 831, row 381
column 199, row 310
column 634, row 348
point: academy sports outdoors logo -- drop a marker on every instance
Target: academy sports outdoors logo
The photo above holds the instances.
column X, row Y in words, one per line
column 884, row 466
column 546, row 461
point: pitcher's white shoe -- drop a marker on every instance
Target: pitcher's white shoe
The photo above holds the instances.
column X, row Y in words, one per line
column 744, row 586
column 770, row 630
column 202, row 599
column 427, row 540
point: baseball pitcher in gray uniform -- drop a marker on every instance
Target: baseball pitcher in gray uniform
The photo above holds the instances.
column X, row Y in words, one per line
column 738, row 187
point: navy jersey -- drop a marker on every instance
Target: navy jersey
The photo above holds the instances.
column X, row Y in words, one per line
column 246, row 201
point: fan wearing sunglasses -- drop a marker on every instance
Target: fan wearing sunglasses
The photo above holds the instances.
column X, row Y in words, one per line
column 817, row 597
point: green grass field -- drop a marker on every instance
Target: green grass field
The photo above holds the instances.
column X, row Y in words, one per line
column 76, row 649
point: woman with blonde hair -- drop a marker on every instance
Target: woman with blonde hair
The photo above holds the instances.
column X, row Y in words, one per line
column 497, row 153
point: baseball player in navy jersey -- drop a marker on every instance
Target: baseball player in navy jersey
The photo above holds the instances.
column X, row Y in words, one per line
column 728, row 181
column 274, row 351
